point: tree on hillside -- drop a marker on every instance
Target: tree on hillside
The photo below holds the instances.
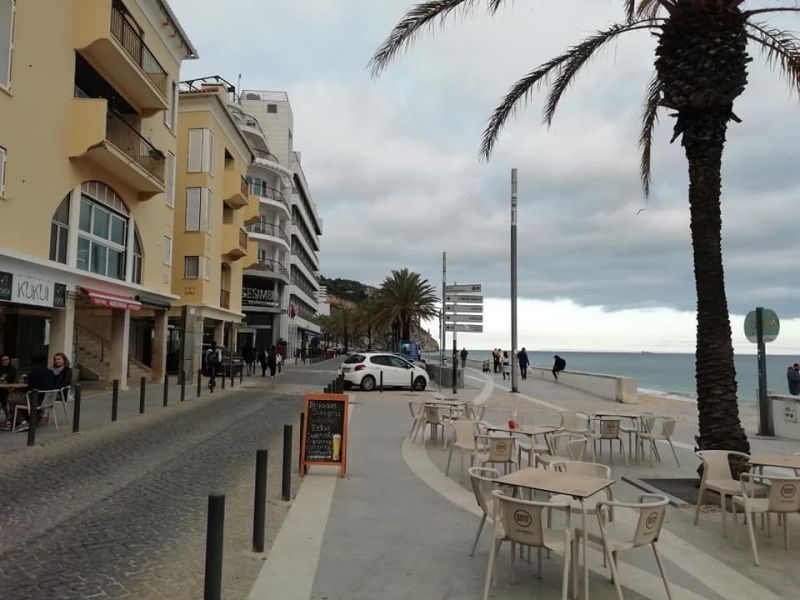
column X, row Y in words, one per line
column 403, row 297
column 700, row 69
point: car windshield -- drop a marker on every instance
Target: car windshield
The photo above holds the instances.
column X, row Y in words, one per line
column 356, row 358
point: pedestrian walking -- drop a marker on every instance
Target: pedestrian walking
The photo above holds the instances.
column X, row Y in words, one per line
column 213, row 361
column 262, row 360
column 506, row 371
column 464, row 355
column 278, row 360
column 250, row 360
column 524, row 363
column 559, row 364
column 272, row 362
column 496, row 359
column 793, row 376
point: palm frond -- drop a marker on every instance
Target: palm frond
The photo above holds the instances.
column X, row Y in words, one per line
column 575, row 57
column 649, row 119
column 630, row 8
column 648, row 9
column 781, row 50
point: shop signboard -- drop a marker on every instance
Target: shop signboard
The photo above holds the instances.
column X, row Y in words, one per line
column 255, row 294
column 32, row 291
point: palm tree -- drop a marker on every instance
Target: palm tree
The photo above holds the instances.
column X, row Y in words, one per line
column 700, row 69
column 403, row 297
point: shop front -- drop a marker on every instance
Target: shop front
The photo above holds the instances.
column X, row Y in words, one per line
column 261, row 298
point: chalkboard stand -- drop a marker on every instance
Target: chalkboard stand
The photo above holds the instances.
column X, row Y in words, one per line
column 324, row 416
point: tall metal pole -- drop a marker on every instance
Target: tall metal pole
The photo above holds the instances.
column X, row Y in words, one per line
column 455, row 343
column 442, row 334
column 765, row 425
column 514, row 381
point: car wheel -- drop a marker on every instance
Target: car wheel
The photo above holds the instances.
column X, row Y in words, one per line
column 419, row 384
column 368, row 383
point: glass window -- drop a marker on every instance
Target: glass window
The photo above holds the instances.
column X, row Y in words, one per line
column 83, row 254
column 398, row 362
column 116, row 264
column 193, row 203
column 380, row 360
column 167, row 250
column 102, row 247
column 118, row 226
column 6, row 40
column 86, row 216
column 100, row 222
column 356, row 358
column 98, row 255
column 191, row 269
column 136, row 276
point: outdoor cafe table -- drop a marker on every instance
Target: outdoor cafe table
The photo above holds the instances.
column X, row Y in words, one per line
column 774, row 459
column 579, row 487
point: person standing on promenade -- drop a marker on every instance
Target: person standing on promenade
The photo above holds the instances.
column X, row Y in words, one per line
column 558, row 365
column 793, row 376
column 506, row 372
column 496, row 359
column 262, row 360
column 464, row 355
column 272, row 361
column 524, row 363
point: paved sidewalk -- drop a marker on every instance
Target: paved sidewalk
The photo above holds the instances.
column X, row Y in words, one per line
column 397, row 528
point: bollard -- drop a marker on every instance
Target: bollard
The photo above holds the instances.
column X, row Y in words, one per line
column 199, row 381
column 33, row 416
column 233, row 372
column 215, row 529
column 76, row 411
column 223, row 379
column 381, row 388
column 166, row 389
column 260, row 501
column 327, row 390
column 412, row 382
column 286, row 484
column 114, row 400
column 300, row 449
column 183, row 385
column 142, row 394
column 241, row 375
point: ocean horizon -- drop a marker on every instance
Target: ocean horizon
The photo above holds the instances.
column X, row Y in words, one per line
column 663, row 373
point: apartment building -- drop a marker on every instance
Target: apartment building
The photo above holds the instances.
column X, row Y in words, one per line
column 88, row 93
column 287, row 233
column 212, row 208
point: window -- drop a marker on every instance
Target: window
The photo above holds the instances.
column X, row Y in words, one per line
column 170, row 193
column 167, row 250
column 102, row 239
column 201, row 151
column 171, row 114
column 138, row 259
column 59, row 232
column 2, row 172
column 191, row 267
column 272, row 108
column 6, row 40
column 193, row 203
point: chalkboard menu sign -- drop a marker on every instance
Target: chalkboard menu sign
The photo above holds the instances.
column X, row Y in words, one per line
column 324, row 440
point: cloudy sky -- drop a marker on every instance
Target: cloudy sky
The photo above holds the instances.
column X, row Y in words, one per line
column 394, row 169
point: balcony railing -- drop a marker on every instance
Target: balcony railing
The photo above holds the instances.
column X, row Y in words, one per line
column 273, row 266
column 268, row 229
column 242, row 239
column 266, row 155
column 120, row 133
column 134, row 45
column 224, row 299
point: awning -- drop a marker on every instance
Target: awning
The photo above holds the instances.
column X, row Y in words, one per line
column 107, row 300
column 153, row 301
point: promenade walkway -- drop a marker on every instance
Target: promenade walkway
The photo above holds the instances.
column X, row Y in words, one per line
column 397, row 528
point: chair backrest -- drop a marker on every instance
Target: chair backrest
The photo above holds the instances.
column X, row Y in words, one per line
column 667, row 427
column 66, row 391
column 414, row 408
column 560, row 442
column 50, row 396
column 465, row 432
column 500, row 448
column 648, row 422
column 609, row 429
column 477, row 411
column 432, row 414
column 652, row 509
column 576, row 467
column 716, row 463
column 784, row 492
column 482, row 479
column 570, row 420
column 522, row 520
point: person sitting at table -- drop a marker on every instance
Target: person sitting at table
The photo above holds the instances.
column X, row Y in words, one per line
column 40, row 378
column 61, row 370
column 8, row 374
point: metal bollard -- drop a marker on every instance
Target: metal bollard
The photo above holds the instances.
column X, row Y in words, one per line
column 286, row 484
column 183, row 385
column 142, row 394
column 260, row 501
column 381, row 387
column 412, row 382
column 241, row 375
column 215, row 528
column 199, row 381
column 166, row 389
column 233, row 372
column 326, row 390
column 114, row 400
column 76, row 411
column 33, row 416
column 223, row 379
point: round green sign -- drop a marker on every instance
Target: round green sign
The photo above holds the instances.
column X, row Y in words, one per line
column 771, row 326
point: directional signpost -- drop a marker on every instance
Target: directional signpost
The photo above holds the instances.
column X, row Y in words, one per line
column 761, row 326
column 463, row 312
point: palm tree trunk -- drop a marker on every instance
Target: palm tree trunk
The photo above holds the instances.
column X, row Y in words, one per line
column 719, row 424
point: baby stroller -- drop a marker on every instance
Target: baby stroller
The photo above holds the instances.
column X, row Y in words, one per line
column 485, row 366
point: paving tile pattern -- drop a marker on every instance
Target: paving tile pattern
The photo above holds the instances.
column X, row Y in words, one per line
column 121, row 512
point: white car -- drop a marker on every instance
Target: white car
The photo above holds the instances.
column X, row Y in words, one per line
column 364, row 370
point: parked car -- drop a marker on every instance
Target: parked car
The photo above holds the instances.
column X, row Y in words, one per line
column 225, row 365
column 364, row 370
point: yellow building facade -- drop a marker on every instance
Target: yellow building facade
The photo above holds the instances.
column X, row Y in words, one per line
column 88, row 144
column 212, row 209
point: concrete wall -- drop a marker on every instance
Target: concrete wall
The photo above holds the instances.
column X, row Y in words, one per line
column 613, row 387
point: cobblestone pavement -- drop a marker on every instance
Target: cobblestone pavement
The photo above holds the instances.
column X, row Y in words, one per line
column 120, row 512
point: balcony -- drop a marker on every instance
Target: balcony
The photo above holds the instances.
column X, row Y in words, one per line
column 266, row 267
column 109, row 41
column 225, row 299
column 234, row 242
column 269, row 195
column 269, row 232
column 237, row 190
column 104, row 137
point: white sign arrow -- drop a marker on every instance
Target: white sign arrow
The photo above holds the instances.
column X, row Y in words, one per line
column 464, row 328
column 463, row 308
column 464, row 318
column 453, row 299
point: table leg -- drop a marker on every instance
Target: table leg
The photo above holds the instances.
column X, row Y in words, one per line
column 585, row 543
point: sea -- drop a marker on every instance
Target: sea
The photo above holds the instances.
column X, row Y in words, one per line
column 662, row 373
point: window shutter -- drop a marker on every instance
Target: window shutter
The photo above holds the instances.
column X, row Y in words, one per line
column 209, row 206
column 2, row 172
column 167, row 250
column 208, row 151
column 7, row 8
column 193, row 208
column 195, row 150
column 170, row 193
